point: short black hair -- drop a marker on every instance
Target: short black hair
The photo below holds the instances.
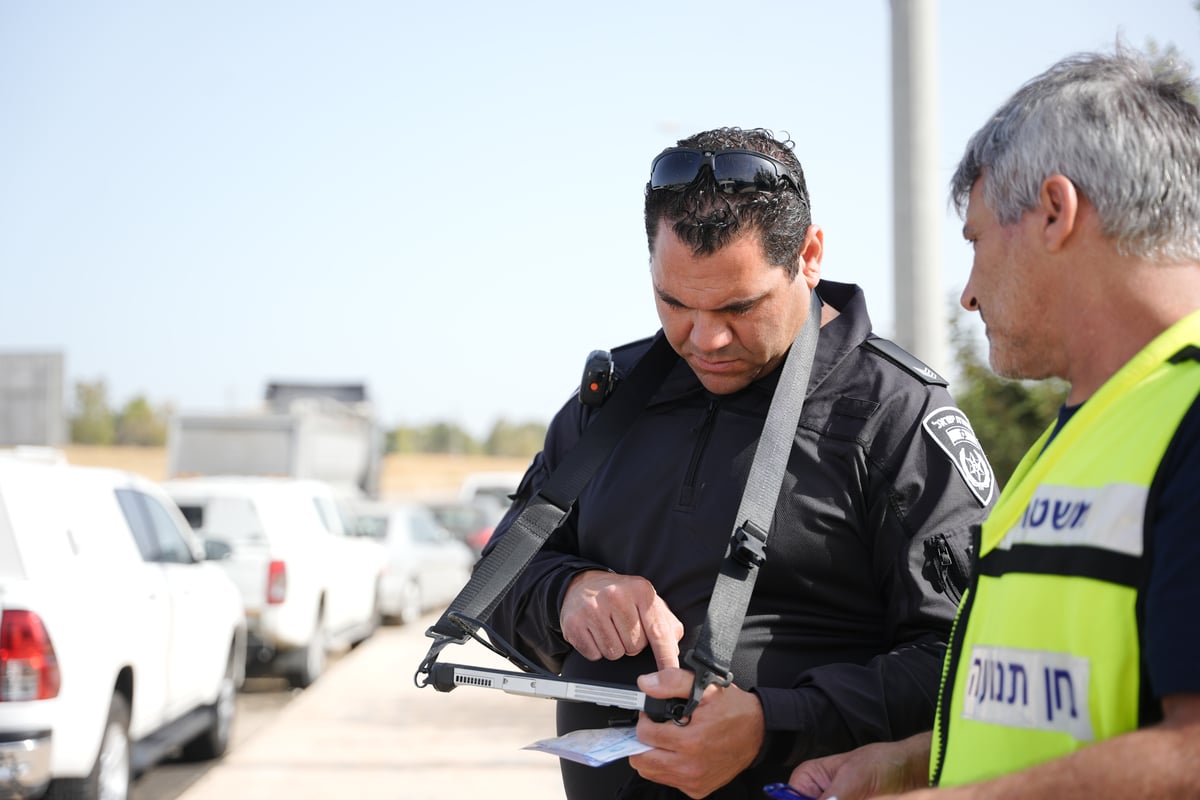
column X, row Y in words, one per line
column 708, row 219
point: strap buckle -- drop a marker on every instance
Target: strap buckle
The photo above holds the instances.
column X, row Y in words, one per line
column 749, row 545
column 705, row 673
column 470, row 630
column 440, row 640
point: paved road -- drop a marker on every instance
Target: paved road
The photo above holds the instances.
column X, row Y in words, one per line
column 258, row 705
column 364, row 730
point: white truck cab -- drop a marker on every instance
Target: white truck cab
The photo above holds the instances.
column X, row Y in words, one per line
column 306, row 584
column 120, row 641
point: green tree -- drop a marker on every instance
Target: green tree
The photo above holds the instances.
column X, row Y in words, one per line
column 141, row 425
column 446, row 437
column 439, row 437
column 400, row 439
column 92, row 422
column 507, row 439
column 1007, row 415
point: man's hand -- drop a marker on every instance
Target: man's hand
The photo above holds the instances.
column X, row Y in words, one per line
column 868, row 771
column 1158, row 761
column 721, row 740
column 605, row 615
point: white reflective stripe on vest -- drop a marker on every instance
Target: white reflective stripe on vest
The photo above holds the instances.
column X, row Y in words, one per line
column 1033, row 689
column 1108, row 517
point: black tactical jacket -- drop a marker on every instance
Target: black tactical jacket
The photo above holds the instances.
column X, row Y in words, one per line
column 846, row 630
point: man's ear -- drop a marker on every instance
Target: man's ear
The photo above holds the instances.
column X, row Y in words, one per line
column 810, row 255
column 1059, row 203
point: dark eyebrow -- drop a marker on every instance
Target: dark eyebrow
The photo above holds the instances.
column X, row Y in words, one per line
column 732, row 307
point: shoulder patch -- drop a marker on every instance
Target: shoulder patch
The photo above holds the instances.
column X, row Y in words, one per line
column 906, row 361
column 951, row 430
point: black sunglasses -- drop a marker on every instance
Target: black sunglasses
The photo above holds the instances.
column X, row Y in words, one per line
column 735, row 170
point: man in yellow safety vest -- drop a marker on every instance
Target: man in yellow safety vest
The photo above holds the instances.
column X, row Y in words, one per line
column 1074, row 665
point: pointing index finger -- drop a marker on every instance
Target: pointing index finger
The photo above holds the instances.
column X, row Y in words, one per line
column 663, row 632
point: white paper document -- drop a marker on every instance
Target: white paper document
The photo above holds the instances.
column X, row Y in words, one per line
column 596, row 747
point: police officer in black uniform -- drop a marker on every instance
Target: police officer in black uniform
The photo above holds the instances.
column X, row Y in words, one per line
column 844, row 636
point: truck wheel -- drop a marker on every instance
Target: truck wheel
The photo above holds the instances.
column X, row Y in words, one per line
column 373, row 623
column 410, row 602
column 214, row 740
column 312, row 660
column 112, row 773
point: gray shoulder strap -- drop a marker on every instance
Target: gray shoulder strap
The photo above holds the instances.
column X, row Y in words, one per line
column 711, row 659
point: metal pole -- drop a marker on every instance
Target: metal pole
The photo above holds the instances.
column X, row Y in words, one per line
column 918, row 198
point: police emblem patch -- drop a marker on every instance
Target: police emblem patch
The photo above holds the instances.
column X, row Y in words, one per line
column 952, row 431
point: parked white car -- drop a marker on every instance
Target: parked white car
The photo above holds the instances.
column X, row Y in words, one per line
column 498, row 486
column 427, row 565
column 307, row 586
column 472, row 523
column 119, row 642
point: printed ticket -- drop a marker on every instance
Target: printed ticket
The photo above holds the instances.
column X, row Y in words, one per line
column 596, row 747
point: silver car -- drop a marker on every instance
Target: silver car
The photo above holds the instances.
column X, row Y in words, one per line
column 426, row 564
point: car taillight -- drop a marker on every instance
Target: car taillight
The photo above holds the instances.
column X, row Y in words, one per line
column 480, row 537
column 276, row 583
column 28, row 665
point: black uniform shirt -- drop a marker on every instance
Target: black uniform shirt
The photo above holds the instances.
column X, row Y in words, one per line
column 846, row 629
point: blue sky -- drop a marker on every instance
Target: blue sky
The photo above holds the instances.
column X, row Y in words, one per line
column 442, row 200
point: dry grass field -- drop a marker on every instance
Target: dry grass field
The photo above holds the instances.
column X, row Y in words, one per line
column 412, row 475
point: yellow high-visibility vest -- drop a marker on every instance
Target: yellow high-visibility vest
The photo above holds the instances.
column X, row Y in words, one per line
column 1045, row 657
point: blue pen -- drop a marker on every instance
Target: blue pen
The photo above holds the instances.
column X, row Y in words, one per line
column 781, row 791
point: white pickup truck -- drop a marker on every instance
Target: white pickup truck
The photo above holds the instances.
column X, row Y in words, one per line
column 307, row 585
column 119, row 642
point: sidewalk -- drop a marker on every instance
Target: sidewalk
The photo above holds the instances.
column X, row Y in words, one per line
column 364, row 730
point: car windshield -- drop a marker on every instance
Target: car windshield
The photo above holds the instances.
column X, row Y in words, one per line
column 461, row 519
column 372, row 525
column 230, row 519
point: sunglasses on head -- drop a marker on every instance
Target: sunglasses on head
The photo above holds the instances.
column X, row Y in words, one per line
column 735, row 170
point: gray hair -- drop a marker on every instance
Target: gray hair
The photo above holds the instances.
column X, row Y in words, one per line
column 1123, row 128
